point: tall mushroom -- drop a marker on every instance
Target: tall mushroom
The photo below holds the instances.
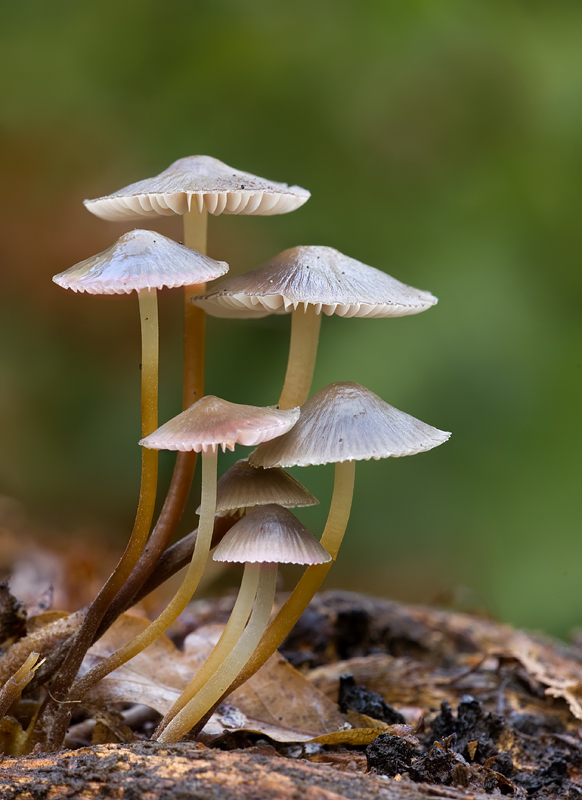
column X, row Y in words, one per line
column 268, row 535
column 140, row 261
column 204, row 427
column 240, row 490
column 309, row 281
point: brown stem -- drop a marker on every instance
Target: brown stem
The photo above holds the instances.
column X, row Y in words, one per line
column 166, row 525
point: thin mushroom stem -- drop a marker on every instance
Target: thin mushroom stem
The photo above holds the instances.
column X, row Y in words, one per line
column 312, row 578
column 305, row 324
column 230, row 636
column 182, row 597
column 233, row 663
column 195, row 237
column 80, row 643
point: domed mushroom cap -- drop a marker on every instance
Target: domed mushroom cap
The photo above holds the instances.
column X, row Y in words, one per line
column 318, row 276
column 199, row 182
column 140, row 259
column 242, row 486
column 270, row 534
column 212, row 422
column 347, row 422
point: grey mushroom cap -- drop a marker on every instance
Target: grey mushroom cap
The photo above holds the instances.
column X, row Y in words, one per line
column 141, row 259
column 270, row 534
column 198, row 183
column 243, row 486
column 347, row 422
column 318, row 276
column 212, row 422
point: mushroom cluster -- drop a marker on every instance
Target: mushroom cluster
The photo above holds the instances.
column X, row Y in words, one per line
column 245, row 516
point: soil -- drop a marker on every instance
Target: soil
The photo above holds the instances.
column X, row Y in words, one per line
column 474, row 708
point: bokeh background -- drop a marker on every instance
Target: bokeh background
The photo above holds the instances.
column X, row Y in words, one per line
column 441, row 141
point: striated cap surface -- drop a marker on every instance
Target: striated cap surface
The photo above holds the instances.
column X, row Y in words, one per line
column 317, row 276
column 199, row 182
column 242, row 486
column 212, row 422
column 347, row 422
column 141, row 259
column 270, row 534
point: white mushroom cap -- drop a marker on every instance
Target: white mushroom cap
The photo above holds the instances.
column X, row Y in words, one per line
column 273, row 535
column 347, row 422
column 212, row 422
column 141, row 259
column 317, row 276
column 199, row 182
column 243, row 486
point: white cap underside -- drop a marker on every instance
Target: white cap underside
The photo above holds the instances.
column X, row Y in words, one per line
column 196, row 183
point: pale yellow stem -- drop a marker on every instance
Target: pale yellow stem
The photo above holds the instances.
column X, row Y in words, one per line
column 234, row 662
column 230, row 636
column 182, row 596
column 281, row 626
column 305, row 324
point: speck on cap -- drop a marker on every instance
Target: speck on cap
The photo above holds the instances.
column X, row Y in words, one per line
column 140, row 259
column 199, row 182
column 243, row 486
column 270, row 534
column 212, row 422
column 318, row 276
column 347, row 422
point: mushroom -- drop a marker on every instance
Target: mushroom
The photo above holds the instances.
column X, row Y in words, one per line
column 343, row 423
column 141, row 261
column 206, row 425
column 241, row 487
column 268, row 535
column 309, row 281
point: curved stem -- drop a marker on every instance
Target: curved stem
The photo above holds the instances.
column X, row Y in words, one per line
column 230, row 636
column 180, row 600
column 312, row 578
column 148, row 306
column 163, row 531
column 234, row 662
column 305, row 324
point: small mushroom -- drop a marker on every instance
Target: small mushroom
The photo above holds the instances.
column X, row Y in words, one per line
column 204, row 427
column 309, row 282
column 268, row 535
column 243, row 486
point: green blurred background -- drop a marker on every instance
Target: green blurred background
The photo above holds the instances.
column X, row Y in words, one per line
column 441, row 141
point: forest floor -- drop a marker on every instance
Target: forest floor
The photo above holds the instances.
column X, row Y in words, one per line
column 372, row 699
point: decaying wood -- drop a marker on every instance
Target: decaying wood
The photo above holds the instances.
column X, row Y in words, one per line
column 190, row 771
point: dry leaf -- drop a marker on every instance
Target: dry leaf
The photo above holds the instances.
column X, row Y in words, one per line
column 277, row 702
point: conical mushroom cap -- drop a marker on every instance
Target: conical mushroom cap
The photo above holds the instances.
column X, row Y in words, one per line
column 270, row 534
column 140, row 259
column 199, row 182
column 212, row 422
column 346, row 422
column 243, row 486
column 317, row 276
